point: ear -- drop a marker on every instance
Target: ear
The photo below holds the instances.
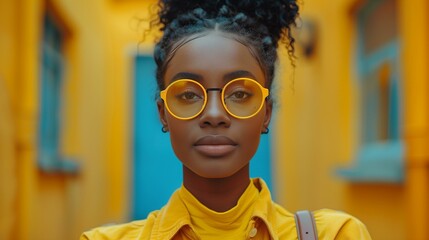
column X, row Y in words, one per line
column 268, row 113
column 161, row 112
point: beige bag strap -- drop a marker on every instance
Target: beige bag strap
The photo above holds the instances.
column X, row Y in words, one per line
column 305, row 225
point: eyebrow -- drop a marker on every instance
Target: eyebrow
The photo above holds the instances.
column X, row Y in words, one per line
column 238, row 74
column 227, row 77
column 186, row 75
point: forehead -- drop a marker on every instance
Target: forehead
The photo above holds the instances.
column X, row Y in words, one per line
column 212, row 57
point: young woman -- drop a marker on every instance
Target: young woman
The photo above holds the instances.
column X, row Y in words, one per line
column 215, row 66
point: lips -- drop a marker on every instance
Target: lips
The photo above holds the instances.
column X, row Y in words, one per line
column 215, row 145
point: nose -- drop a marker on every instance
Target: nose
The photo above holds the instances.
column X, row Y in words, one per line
column 214, row 113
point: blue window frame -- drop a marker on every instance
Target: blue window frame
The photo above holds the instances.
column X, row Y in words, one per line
column 52, row 68
column 380, row 157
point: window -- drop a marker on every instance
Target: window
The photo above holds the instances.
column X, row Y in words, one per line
column 52, row 68
column 380, row 157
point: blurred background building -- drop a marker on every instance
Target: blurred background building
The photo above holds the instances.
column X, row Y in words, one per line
column 81, row 146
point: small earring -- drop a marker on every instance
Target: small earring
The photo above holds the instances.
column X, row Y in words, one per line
column 164, row 129
column 267, row 130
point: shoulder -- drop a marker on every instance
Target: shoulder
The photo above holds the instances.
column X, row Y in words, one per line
column 339, row 225
column 128, row 230
column 118, row 231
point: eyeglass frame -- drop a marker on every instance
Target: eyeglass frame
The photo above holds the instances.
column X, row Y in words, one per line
column 265, row 94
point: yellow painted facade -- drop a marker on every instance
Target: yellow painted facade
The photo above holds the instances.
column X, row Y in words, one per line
column 316, row 120
column 318, row 130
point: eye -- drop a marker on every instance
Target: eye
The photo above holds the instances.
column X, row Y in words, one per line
column 239, row 95
column 189, row 96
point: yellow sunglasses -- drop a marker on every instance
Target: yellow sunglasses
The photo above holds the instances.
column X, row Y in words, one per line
column 242, row 98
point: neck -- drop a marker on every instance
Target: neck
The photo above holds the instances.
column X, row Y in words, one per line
column 218, row 194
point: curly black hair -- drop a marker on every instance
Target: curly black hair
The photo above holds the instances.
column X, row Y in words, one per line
column 259, row 24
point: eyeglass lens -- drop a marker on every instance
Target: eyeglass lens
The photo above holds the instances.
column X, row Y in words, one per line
column 185, row 99
column 242, row 98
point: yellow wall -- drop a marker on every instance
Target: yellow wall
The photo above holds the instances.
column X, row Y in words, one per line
column 53, row 206
column 7, row 165
column 415, row 30
column 316, row 121
column 318, row 125
column 125, row 31
column 101, row 40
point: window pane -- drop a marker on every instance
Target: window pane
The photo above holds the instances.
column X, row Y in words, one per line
column 379, row 24
column 51, row 74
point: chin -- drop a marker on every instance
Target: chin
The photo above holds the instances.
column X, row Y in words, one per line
column 212, row 173
column 216, row 172
column 215, row 175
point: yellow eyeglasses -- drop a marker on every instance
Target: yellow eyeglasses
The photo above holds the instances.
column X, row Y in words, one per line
column 242, row 98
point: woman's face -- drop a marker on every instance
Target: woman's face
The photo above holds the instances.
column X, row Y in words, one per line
column 214, row 144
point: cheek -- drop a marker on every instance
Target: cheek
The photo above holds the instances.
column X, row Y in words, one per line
column 255, row 125
column 249, row 132
column 180, row 134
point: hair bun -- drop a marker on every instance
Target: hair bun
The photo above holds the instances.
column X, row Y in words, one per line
column 171, row 9
column 276, row 15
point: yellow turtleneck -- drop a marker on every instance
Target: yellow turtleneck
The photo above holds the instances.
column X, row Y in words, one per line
column 254, row 217
column 209, row 224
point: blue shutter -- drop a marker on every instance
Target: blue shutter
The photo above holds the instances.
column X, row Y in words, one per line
column 381, row 154
column 52, row 68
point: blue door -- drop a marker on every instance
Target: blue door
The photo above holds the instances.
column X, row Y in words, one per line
column 156, row 171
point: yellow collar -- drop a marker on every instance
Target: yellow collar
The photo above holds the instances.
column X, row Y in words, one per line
column 175, row 216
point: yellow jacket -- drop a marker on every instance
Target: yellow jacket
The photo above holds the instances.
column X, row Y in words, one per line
column 258, row 218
